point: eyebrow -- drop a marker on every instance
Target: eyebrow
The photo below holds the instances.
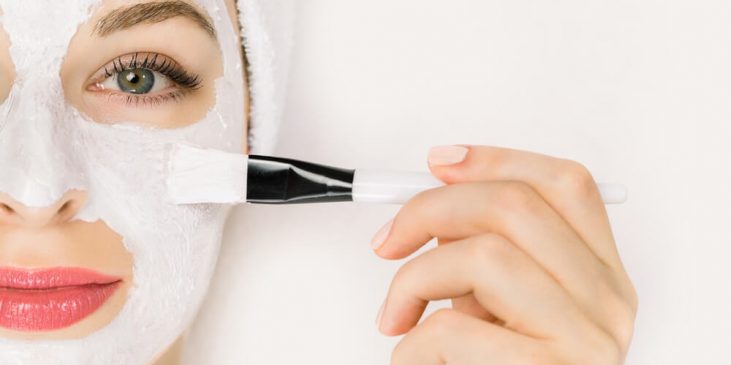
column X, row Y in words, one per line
column 150, row 13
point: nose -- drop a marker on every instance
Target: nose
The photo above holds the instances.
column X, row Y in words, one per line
column 13, row 212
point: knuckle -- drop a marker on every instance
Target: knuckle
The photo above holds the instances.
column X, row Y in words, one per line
column 622, row 324
column 489, row 250
column 436, row 328
column 575, row 177
column 615, row 316
column 399, row 355
column 518, row 197
column 420, row 198
column 415, row 205
column 624, row 336
column 426, row 206
column 441, row 322
column 404, row 273
column 633, row 298
column 591, row 344
column 620, row 312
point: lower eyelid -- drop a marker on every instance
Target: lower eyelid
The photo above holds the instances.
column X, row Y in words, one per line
column 136, row 100
column 99, row 88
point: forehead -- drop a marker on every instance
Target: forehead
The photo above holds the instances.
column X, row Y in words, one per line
column 114, row 15
column 204, row 8
column 41, row 29
column 107, row 16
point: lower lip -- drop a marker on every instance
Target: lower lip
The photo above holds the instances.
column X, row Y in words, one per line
column 51, row 299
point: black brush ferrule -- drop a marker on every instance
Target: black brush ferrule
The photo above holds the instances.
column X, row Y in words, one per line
column 276, row 180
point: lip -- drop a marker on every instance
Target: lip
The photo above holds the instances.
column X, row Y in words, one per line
column 54, row 298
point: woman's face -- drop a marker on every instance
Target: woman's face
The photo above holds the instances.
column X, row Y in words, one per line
column 96, row 266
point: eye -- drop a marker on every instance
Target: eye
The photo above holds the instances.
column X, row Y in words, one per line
column 137, row 81
column 144, row 78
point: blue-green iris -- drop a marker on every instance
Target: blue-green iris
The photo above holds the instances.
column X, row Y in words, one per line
column 136, row 81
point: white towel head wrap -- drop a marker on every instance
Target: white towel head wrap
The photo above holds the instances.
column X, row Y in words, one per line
column 267, row 32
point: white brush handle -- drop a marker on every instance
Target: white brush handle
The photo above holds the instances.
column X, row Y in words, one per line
column 397, row 187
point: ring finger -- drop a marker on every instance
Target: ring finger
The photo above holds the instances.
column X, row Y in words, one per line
column 503, row 279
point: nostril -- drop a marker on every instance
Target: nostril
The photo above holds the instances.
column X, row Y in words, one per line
column 66, row 206
column 6, row 208
column 60, row 212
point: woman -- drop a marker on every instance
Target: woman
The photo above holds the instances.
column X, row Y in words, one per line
column 95, row 91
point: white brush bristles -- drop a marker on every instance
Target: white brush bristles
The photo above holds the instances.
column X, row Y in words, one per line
column 198, row 175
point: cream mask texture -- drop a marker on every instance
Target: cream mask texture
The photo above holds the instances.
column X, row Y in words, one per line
column 48, row 148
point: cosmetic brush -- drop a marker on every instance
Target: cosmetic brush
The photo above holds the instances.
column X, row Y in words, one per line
column 198, row 175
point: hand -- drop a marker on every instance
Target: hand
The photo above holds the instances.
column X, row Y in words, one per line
column 526, row 253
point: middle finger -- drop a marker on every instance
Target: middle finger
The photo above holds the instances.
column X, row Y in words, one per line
column 511, row 209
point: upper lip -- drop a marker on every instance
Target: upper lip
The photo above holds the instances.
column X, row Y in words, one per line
column 51, row 278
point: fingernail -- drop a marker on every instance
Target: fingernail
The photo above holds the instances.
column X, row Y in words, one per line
column 447, row 155
column 381, row 235
column 380, row 315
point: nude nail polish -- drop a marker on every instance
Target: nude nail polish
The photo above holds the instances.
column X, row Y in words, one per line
column 447, row 155
column 381, row 235
column 380, row 316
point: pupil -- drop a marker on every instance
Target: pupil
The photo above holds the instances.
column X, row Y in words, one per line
column 136, row 81
column 132, row 78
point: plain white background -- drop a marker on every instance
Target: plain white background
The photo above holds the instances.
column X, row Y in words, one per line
column 638, row 91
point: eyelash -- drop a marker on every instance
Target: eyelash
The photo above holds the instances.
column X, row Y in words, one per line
column 183, row 80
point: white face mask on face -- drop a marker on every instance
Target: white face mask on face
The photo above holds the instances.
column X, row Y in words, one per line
column 48, row 148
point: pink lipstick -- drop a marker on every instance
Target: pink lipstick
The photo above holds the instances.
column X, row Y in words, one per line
column 49, row 299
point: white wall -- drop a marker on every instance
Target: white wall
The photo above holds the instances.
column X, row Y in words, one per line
column 637, row 90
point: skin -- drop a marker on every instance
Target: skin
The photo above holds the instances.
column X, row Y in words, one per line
column 526, row 253
column 525, row 249
column 57, row 240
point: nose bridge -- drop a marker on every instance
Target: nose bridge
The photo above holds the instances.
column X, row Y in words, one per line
column 38, row 163
column 37, row 143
